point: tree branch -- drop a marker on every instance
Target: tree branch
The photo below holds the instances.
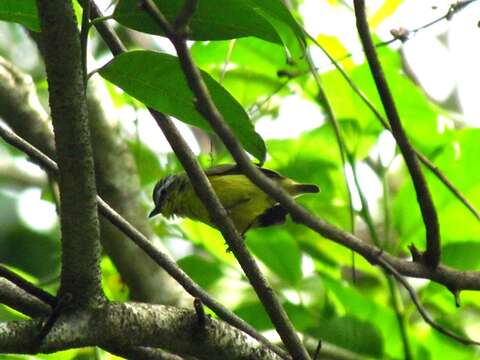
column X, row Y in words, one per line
column 207, row 195
column 429, row 214
column 80, row 274
column 131, row 325
column 27, row 286
column 16, row 298
column 138, row 238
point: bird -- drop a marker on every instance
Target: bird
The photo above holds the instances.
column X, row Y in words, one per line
column 246, row 204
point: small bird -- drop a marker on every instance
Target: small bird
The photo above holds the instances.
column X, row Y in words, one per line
column 246, row 204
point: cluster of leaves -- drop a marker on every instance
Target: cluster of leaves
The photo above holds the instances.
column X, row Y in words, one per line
column 242, row 48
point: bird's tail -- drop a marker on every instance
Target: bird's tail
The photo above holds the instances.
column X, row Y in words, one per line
column 306, row 188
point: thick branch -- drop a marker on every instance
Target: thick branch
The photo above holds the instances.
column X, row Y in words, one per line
column 131, row 325
column 429, row 214
column 78, row 209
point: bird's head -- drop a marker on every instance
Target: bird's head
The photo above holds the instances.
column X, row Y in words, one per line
column 162, row 193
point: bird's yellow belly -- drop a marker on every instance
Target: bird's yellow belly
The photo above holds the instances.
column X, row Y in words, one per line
column 243, row 201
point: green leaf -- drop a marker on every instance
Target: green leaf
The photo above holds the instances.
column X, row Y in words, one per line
column 147, row 162
column 254, row 314
column 161, row 85
column 315, row 158
column 351, row 333
column 20, row 11
column 211, row 20
column 283, row 22
column 458, row 162
column 269, row 20
column 462, row 256
column 367, row 312
column 204, row 271
column 246, row 67
column 278, row 251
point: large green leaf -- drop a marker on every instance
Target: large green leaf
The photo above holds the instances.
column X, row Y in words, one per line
column 269, row 20
column 161, row 85
column 246, row 67
column 20, row 11
column 315, row 158
column 203, row 270
column 278, row 251
column 368, row 313
column 458, row 162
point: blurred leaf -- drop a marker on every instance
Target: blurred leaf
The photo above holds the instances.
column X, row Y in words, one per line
column 381, row 319
column 204, row 271
column 35, row 253
column 314, row 158
column 283, row 22
column 147, row 162
column 161, row 85
column 443, row 347
column 20, row 11
column 418, row 114
column 113, row 285
column 456, row 161
column 351, row 333
column 254, row 314
column 269, row 20
column 335, row 49
column 462, row 256
column 278, row 251
column 246, row 67
column 387, row 9
column 209, row 238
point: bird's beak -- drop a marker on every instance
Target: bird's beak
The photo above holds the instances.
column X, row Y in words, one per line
column 154, row 212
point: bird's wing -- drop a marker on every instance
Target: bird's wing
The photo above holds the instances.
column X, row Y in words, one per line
column 233, row 169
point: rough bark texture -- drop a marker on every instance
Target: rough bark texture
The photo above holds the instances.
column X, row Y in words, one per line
column 80, row 275
column 129, row 325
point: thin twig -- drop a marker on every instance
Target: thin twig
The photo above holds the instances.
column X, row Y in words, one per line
column 205, row 192
column 138, row 238
column 429, row 214
column 403, row 35
column 423, row 312
column 84, row 41
column 27, row 286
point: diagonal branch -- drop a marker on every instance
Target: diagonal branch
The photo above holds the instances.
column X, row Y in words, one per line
column 138, row 238
column 429, row 214
column 16, row 298
column 27, row 286
column 207, row 195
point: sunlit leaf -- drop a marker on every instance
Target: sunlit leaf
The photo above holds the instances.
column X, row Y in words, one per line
column 20, row 11
column 269, row 20
column 161, row 85
column 278, row 251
